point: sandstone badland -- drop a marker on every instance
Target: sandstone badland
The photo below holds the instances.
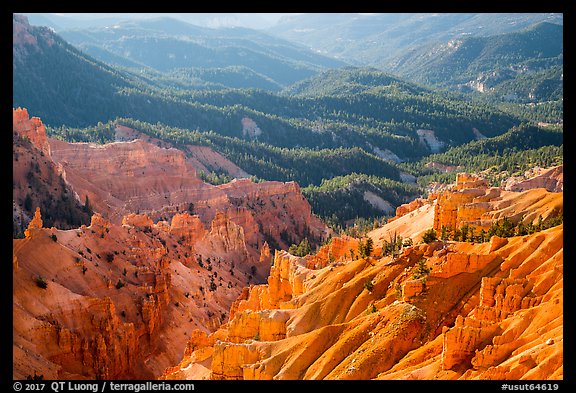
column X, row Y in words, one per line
column 174, row 278
column 163, row 254
column 489, row 310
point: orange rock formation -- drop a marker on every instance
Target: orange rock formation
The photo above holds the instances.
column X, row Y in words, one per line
column 120, row 300
column 164, row 254
column 37, row 180
column 489, row 310
column 552, row 179
column 30, row 128
column 35, row 223
column 474, row 203
column 132, row 177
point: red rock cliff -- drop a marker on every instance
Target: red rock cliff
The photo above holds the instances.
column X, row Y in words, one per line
column 478, row 205
column 450, row 310
column 120, row 301
column 30, row 128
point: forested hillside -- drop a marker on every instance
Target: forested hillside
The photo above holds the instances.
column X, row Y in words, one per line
column 509, row 154
column 523, row 59
column 166, row 45
column 358, row 140
column 374, row 39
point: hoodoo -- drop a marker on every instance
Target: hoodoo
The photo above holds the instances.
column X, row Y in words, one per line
column 192, row 200
column 163, row 254
column 442, row 310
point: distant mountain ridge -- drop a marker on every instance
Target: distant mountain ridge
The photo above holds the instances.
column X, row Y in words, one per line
column 483, row 63
column 374, row 39
column 166, row 44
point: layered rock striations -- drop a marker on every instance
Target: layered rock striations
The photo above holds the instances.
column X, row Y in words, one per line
column 31, row 129
column 203, row 158
column 119, row 300
column 37, row 181
column 472, row 202
column 443, row 310
column 551, row 179
column 139, row 177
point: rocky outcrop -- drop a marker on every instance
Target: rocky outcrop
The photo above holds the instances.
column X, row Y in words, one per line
column 428, row 139
column 187, row 227
column 35, row 223
column 137, row 220
column 460, row 342
column 467, row 180
column 409, row 207
column 167, row 252
column 461, row 314
column 205, row 159
column 229, row 360
column 551, row 179
column 20, row 33
column 250, row 128
column 473, row 203
column 338, row 249
column 286, row 280
column 449, row 204
column 457, row 263
column 39, row 182
column 265, row 255
column 265, row 325
column 31, row 129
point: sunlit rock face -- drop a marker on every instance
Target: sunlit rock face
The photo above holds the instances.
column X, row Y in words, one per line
column 443, row 310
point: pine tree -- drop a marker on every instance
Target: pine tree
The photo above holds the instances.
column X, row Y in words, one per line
column 87, row 208
column 369, row 247
column 429, row 236
column 365, row 248
column 443, row 232
column 28, row 202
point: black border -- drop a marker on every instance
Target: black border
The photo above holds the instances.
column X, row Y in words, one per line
column 462, row 6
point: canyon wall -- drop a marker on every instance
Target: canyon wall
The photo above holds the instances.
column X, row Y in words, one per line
column 443, row 310
column 140, row 177
column 113, row 301
column 37, row 181
column 473, row 203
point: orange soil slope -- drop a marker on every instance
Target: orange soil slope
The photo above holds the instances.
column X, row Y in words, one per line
column 120, row 300
column 484, row 311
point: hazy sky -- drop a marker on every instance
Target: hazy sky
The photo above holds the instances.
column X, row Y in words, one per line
column 252, row 20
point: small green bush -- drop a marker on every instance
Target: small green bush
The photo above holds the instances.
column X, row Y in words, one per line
column 369, row 285
column 421, row 269
column 371, row 309
column 429, row 236
column 41, row 282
